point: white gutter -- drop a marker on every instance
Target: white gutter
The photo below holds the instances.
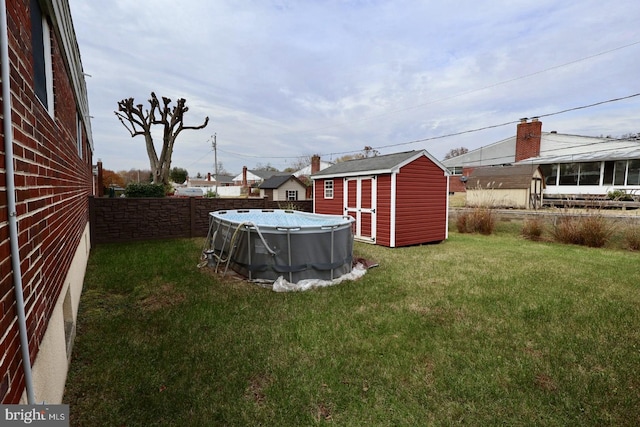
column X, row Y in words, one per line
column 11, row 201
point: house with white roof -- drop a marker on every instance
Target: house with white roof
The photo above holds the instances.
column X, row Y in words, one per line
column 572, row 165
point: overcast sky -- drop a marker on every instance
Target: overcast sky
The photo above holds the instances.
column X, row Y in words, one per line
column 282, row 79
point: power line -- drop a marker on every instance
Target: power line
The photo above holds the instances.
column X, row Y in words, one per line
column 433, row 138
column 582, row 107
column 490, row 86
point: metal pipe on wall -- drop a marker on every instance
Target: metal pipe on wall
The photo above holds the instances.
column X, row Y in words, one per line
column 11, row 201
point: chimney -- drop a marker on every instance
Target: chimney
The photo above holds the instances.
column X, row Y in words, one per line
column 208, row 176
column 315, row 164
column 528, row 139
column 244, row 176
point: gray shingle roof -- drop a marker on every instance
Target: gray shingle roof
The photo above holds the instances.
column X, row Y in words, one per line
column 384, row 163
column 276, row 181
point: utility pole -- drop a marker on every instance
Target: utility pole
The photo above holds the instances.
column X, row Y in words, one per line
column 215, row 159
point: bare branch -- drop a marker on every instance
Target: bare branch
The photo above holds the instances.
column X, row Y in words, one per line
column 137, row 121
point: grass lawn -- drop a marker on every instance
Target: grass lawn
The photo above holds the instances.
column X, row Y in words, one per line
column 478, row 330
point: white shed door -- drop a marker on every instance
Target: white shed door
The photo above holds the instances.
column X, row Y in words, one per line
column 360, row 203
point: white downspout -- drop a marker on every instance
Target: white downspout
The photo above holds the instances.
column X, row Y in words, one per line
column 11, row 201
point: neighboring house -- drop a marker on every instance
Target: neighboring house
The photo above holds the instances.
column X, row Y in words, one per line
column 397, row 199
column 222, row 185
column 316, row 165
column 305, row 173
column 572, row 165
column 283, row 187
column 249, row 178
column 517, row 186
column 46, row 163
column 211, row 181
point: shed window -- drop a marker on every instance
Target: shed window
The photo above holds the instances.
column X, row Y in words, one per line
column 328, row 189
column 292, row 194
column 42, row 64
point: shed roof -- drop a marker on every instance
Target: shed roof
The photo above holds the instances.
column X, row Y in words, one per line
column 374, row 165
column 503, row 177
column 276, row 181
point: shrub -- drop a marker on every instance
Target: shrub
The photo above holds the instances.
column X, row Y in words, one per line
column 592, row 230
column 461, row 222
column 144, row 190
column 619, row 195
column 632, row 238
column 565, row 230
column 210, row 194
column 479, row 220
column 483, row 221
column 532, row 229
column 288, row 206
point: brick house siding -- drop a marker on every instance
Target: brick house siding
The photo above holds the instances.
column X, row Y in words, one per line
column 53, row 180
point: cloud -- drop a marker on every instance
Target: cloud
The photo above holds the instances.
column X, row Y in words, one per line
column 280, row 80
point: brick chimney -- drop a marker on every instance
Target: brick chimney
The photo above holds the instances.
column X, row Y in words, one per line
column 315, row 164
column 244, row 176
column 208, row 176
column 528, row 139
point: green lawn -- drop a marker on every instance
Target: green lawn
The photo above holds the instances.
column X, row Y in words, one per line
column 478, row 330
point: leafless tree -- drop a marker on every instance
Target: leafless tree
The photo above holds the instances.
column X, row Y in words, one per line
column 139, row 122
column 455, row 152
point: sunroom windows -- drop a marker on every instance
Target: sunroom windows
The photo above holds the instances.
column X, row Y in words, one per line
column 608, row 173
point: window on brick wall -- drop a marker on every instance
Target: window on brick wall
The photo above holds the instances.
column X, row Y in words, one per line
column 42, row 64
column 79, row 135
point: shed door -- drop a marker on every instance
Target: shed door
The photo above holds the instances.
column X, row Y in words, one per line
column 535, row 198
column 360, row 203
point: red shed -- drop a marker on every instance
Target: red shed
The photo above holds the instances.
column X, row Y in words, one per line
column 397, row 199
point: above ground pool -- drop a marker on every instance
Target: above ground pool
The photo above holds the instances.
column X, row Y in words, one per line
column 267, row 244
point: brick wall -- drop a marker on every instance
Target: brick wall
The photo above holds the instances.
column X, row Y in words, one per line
column 127, row 219
column 52, row 188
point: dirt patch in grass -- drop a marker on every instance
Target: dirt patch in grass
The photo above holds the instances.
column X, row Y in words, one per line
column 323, row 412
column 165, row 296
column 255, row 390
column 545, row 382
column 531, row 351
column 438, row 315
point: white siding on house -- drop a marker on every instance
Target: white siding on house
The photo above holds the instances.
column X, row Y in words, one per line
column 281, row 193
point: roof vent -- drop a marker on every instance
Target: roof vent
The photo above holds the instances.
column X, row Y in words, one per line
column 554, row 131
